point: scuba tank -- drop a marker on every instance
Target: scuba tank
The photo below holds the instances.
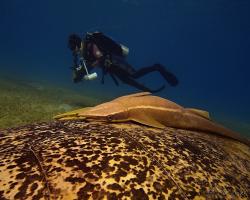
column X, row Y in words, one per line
column 125, row 50
column 106, row 44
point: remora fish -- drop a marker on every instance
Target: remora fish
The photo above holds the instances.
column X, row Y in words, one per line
column 152, row 111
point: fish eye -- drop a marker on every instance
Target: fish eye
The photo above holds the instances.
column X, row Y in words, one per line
column 109, row 118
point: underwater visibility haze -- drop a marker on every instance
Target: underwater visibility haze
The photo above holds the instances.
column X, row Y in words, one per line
column 206, row 44
column 65, row 140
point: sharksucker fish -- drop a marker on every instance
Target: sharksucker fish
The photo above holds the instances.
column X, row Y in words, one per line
column 153, row 111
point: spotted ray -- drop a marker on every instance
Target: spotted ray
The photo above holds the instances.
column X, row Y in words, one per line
column 75, row 159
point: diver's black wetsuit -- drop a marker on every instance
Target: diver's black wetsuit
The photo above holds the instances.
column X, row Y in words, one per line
column 127, row 74
column 112, row 62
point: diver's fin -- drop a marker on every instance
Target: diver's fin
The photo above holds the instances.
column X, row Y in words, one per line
column 201, row 113
column 157, row 90
column 168, row 76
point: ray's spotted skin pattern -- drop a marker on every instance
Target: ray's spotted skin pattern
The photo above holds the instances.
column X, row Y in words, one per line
column 94, row 160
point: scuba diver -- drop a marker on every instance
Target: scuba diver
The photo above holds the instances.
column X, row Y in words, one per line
column 96, row 49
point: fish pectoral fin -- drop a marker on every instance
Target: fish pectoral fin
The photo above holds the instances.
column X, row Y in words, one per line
column 148, row 121
column 74, row 114
column 201, row 113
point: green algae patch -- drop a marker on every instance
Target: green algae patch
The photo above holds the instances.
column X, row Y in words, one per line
column 23, row 102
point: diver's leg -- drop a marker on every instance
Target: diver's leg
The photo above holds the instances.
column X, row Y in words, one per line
column 137, row 85
column 168, row 76
column 123, row 67
column 125, row 71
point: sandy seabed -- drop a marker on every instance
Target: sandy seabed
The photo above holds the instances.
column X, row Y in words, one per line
column 24, row 102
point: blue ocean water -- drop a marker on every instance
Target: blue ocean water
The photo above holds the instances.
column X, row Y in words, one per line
column 205, row 43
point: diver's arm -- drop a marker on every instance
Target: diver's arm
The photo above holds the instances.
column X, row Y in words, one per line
column 75, row 61
column 78, row 68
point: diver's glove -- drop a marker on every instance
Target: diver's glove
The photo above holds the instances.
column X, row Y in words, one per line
column 78, row 73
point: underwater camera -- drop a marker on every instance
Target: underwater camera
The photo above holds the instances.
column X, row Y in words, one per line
column 91, row 76
column 88, row 76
